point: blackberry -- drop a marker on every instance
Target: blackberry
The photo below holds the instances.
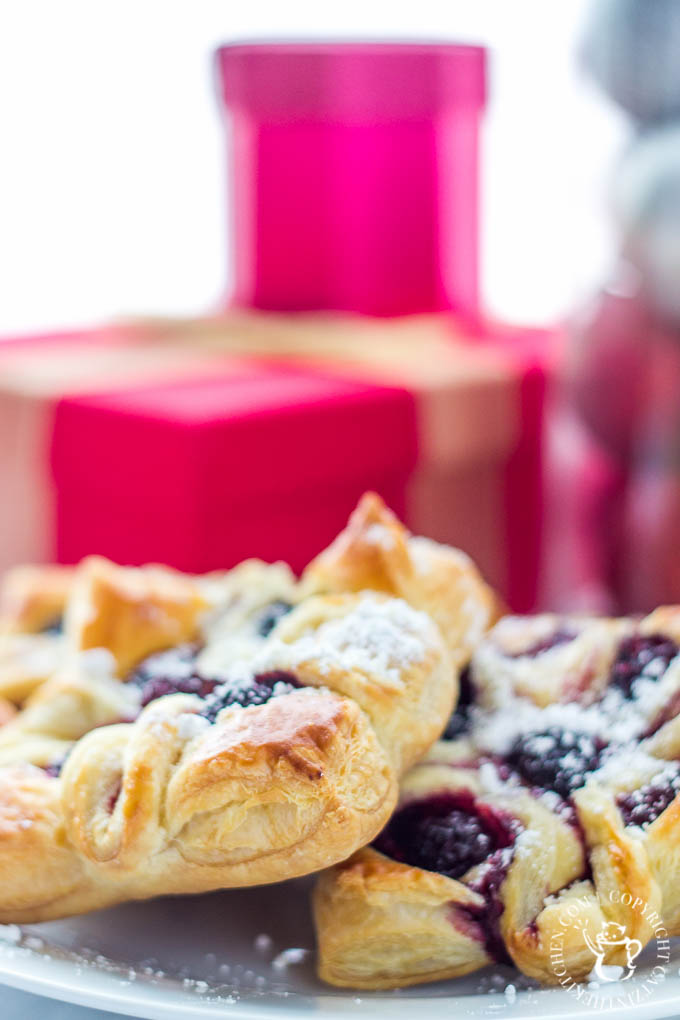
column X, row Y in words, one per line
column 257, row 692
column 271, row 615
column 555, row 759
column 448, row 833
column 171, row 672
column 55, row 626
column 640, row 656
column 641, row 807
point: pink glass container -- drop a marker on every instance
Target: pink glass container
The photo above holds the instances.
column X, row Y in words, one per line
column 354, row 175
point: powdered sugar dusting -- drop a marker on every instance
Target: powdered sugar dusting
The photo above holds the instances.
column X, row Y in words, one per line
column 616, row 719
column 608, row 736
column 378, row 534
column 190, row 725
column 381, row 637
column 98, row 663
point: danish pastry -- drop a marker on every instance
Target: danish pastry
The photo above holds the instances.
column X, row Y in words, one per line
column 376, row 551
column 547, row 813
column 258, row 727
column 132, row 612
column 32, row 603
column 272, row 773
column 118, row 616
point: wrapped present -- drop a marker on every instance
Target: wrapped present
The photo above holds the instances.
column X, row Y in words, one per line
column 354, row 174
column 254, row 459
column 35, row 374
column 479, row 390
column 200, row 442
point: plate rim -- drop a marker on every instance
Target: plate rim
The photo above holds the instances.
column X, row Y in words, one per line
column 63, row 980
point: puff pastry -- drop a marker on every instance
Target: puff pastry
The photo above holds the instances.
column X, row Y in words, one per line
column 376, row 551
column 117, row 616
column 258, row 725
column 32, row 603
column 549, row 815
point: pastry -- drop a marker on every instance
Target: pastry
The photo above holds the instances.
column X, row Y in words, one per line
column 547, row 814
column 376, row 551
column 32, row 599
column 32, row 602
column 271, row 774
column 130, row 613
column 118, row 616
column 259, row 726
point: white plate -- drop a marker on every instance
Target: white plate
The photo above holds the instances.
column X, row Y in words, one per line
column 168, row 960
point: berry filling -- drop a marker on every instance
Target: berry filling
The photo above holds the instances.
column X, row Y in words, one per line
column 641, row 657
column 55, row 626
column 54, row 768
column 171, row 672
column 112, row 799
column 558, row 637
column 459, row 722
column 260, row 689
column 271, row 615
column 174, row 671
column 451, row 833
column 448, row 832
column 643, row 806
column 489, row 885
column 555, row 759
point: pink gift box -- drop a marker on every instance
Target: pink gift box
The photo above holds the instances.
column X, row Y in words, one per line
column 354, row 175
column 264, row 460
column 200, row 443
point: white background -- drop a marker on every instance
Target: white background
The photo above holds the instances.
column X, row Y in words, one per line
column 112, row 157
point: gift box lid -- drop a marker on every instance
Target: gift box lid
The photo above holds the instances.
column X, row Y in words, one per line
column 243, row 432
column 365, row 80
column 354, row 172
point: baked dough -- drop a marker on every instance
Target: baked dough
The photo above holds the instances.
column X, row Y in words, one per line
column 552, row 812
column 376, row 551
column 174, row 802
column 33, row 599
column 132, row 612
column 32, row 603
column 117, row 616
column 312, row 699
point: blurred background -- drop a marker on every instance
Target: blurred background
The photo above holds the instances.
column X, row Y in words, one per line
column 240, row 287
column 113, row 198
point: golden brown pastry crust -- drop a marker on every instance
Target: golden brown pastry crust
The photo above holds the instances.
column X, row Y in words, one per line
column 371, row 652
column 381, row 923
column 163, row 608
column 384, row 924
column 170, row 803
column 7, row 711
column 375, row 551
column 132, row 611
column 27, row 661
column 32, row 599
column 163, row 802
column 167, row 805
